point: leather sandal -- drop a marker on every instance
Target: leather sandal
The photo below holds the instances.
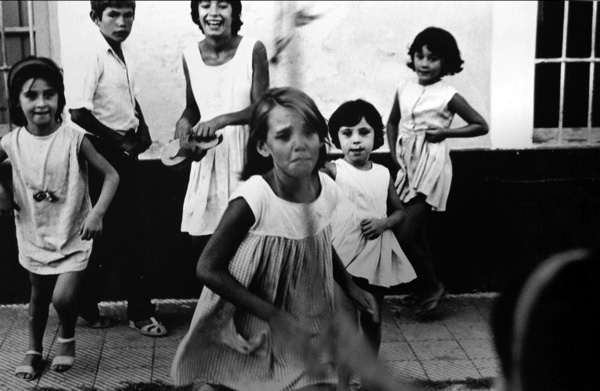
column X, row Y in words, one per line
column 429, row 304
column 63, row 363
column 152, row 329
column 29, row 372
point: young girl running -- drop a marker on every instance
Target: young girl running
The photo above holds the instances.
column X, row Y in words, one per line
column 418, row 125
column 362, row 224
column 54, row 219
column 270, row 267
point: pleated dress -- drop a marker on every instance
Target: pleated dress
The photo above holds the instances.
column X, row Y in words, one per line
column 425, row 167
column 381, row 260
column 286, row 258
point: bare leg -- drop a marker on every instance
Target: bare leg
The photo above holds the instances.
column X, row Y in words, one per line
column 346, row 310
column 65, row 300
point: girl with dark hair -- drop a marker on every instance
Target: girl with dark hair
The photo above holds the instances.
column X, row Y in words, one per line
column 417, row 128
column 225, row 73
column 269, row 268
column 54, row 218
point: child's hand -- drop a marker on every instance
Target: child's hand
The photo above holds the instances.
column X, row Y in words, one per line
column 129, row 142
column 372, row 228
column 364, row 301
column 92, row 227
column 209, row 128
column 435, row 134
column 182, row 130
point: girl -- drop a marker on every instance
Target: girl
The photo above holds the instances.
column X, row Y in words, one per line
column 54, row 218
column 418, row 124
column 269, row 267
column 225, row 73
column 362, row 229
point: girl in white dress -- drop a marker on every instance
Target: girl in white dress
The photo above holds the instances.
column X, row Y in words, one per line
column 363, row 221
column 417, row 127
column 54, row 218
column 224, row 73
column 269, row 268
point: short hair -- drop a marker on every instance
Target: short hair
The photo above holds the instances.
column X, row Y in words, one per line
column 236, row 8
column 349, row 114
column 98, row 6
column 442, row 44
column 36, row 68
column 545, row 325
column 291, row 98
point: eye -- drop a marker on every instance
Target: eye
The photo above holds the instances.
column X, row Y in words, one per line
column 49, row 94
column 30, row 95
column 364, row 132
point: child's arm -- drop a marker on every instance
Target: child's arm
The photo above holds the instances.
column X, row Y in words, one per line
column 84, row 118
column 392, row 128
column 260, row 83
column 191, row 113
column 476, row 125
column 92, row 226
column 330, row 169
column 373, row 228
column 6, row 199
column 363, row 300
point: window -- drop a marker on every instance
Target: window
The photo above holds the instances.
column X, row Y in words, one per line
column 567, row 74
column 24, row 30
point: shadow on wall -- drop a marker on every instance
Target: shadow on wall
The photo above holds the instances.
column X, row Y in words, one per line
column 505, row 208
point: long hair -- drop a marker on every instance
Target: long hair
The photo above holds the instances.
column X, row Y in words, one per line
column 289, row 97
column 37, row 68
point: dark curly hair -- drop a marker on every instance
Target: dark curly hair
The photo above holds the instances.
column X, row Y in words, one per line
column 36, row 68
column 236, row 7
column 291, row 98
column 349, row 114
column 98, row 6
column 442, row 44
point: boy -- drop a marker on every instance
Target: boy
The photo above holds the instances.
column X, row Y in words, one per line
column 104, row 104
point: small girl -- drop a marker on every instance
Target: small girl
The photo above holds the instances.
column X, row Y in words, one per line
column 418, row 125
column 270, row 266
column 362, row 225
column 55, row 222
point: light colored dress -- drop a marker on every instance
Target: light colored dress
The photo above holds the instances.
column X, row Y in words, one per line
column 381, row 261
column 217, row 90
column 286, row 258
column 425, row 168
column 48, row 232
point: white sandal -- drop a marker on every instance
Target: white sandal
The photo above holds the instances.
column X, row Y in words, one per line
column 29, row 372
column 152, row 329
column 64, row 362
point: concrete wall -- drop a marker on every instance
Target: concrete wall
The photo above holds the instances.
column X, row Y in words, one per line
column 345, row 50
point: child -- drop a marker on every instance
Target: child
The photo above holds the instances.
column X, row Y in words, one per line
column 53, row 214
column 418, row 124
column 105, row 104
column 270, row 267
column 362, row 229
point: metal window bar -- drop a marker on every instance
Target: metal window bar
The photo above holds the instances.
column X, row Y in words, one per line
column 30, row 30
column 563, row 60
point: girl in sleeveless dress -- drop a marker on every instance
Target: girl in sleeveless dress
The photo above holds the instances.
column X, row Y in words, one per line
column 418, row 125
column 224, row 73
column 363, row 221
column 269, row 268
column 54, row 218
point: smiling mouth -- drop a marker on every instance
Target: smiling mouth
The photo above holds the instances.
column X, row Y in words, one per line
column 214, row 23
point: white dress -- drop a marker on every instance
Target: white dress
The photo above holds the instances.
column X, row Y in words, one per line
column 217, row 90
column 381, row 261
column 286, row 258
column 48, row 232
column 425, row 168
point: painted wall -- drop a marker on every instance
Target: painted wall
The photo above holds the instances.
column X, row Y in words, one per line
column 344, row 50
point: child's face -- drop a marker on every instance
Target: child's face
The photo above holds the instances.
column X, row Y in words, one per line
column 291, row 143
column 427, row 65
column 215, row 17
column 116, row 23
column 357, row 142
column 39, row 102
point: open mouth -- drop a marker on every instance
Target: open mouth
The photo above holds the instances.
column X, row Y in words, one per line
column 214, row 24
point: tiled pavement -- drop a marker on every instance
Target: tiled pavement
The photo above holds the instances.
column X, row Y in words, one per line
column 454, row 344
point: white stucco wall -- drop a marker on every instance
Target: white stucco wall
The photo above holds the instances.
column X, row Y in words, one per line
column 351, row 49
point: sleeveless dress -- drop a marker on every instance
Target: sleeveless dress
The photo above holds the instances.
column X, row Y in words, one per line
column 286, row 258
column 48, row 231
column 217, row 90
column 381, row 261
column 425, row 167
